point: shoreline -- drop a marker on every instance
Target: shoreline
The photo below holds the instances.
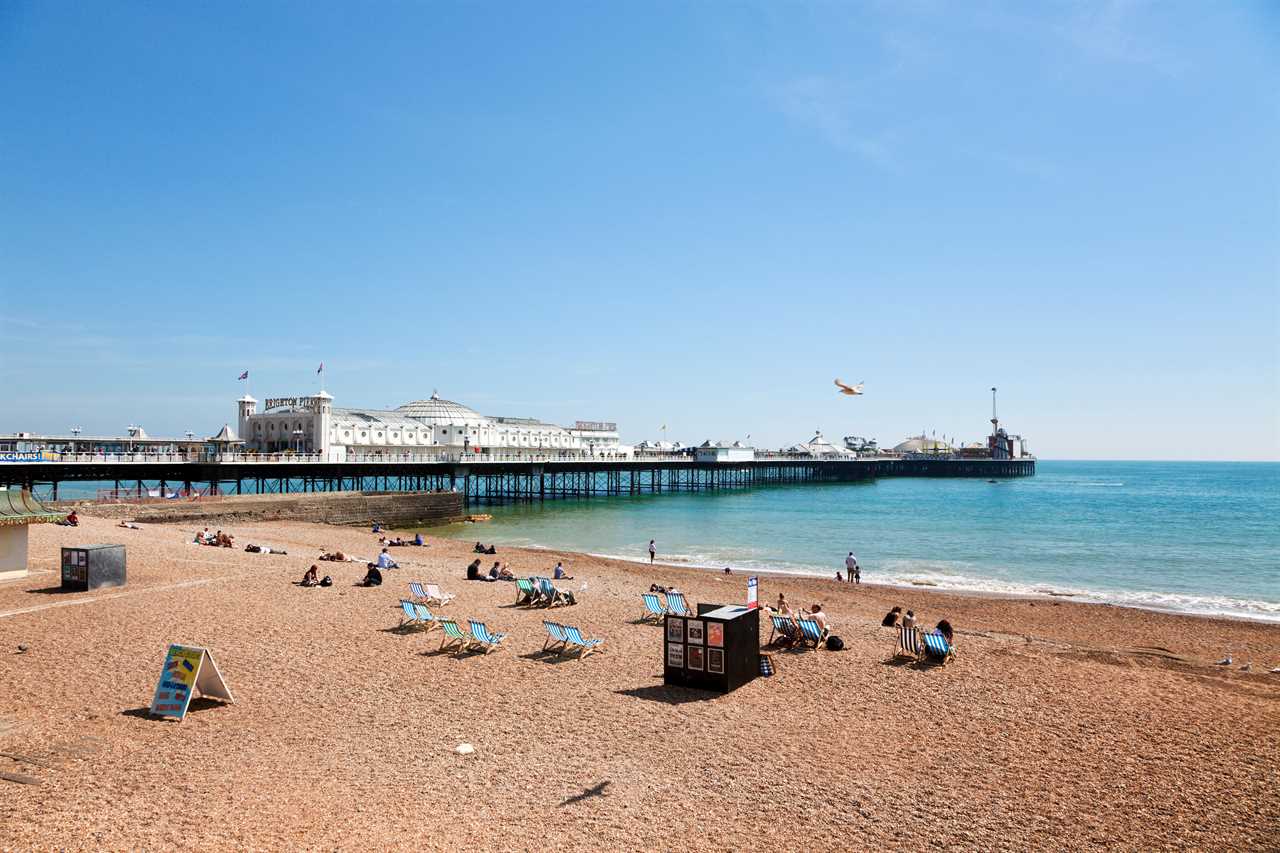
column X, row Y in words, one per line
column 1083, row 597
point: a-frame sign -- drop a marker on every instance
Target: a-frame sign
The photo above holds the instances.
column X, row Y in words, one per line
column 187, row 668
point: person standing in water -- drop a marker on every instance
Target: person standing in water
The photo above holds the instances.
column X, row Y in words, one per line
column 851, row 567
column 653, row 550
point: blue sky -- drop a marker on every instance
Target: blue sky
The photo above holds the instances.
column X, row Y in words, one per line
column 697, row 214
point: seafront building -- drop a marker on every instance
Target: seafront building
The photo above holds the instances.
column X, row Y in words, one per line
column 314, row 425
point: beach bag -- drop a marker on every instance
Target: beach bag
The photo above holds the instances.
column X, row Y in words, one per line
column 835, row 644
column 326, row 581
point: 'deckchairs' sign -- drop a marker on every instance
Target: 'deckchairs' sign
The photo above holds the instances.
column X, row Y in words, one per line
column 187, row 668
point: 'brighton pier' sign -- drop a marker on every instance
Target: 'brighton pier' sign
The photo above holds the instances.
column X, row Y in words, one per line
column 285, row 402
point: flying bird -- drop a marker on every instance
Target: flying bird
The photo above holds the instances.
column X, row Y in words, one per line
column 851, row 390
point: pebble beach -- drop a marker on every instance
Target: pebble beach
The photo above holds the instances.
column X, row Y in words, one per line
column 1058, row 725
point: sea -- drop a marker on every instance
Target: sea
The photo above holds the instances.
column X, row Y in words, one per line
column 1194, row 537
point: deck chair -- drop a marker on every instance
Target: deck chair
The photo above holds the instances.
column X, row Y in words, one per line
column 410, row 617
column 484, row 638
column 653, row 608
column 453, row 634
column 416, row 590
column 936, row 647
column 783, row 626
column 908, row 642
column 811, row 632
column 548, row 595
column 555, row 636
column 584, row 646
column 525, row 593
column 425, row 617
column 676, row 605
column 435, row 596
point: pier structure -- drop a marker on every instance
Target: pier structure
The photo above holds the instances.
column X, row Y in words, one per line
column 481, row 480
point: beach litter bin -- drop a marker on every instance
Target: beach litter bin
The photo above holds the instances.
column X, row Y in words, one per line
column 717, row 650
column 87, row 567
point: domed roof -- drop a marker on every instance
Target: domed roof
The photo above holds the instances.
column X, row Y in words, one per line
column 921, row 444
column 440, row 411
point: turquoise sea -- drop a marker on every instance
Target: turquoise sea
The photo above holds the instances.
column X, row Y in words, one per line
column 1199, row 537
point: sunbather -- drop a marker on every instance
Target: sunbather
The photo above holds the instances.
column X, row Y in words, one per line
column 504, row 574
column 335, row 557
column 311, row 578
column 129, row 525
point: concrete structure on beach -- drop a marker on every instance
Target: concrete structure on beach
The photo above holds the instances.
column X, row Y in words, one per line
column 418, row 428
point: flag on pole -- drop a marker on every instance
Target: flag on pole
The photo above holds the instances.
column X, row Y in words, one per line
column 320, row 369
column 244, row 375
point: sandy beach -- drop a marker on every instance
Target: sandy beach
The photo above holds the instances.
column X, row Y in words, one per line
column 1058, row 726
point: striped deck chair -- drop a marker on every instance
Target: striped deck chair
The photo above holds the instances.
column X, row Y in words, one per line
column 784, row 627
column 410, row 617
column 484, row 638
column 525, row 593
column 936, row 647
column 435, row 596
column 416, row 590
column 548, row 595
column 653, row 608
column 676, row 605
column 584, row 646
column 811, row 632
column 555, row 636
column 425, row 617
column 908, row 642
column 453, row 634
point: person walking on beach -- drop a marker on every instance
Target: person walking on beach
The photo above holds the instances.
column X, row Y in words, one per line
column 653, row 550
column 851, row 567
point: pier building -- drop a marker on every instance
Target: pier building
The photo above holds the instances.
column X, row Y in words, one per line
column 313, row 425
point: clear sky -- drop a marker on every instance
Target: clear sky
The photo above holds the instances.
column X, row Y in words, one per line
column 696, row 214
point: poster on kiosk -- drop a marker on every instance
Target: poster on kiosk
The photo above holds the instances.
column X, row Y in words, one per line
column 753, row 592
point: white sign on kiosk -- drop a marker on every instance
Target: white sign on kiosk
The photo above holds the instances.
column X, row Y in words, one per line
column 753, row 592
column 187, row 668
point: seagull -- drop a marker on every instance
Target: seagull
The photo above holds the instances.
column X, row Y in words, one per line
column 851, row 390
column 1225, row 661
column 1247, row 668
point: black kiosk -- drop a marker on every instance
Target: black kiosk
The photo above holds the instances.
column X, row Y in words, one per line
column 719, row 649
column 92, row 567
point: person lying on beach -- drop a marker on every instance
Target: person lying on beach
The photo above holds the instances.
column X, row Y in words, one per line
column 129, row 525
column 225, row 540
column 559, row 573
column 311, row 577
column 890, row 619
column 397, row 542
column 335, row 557
column 264, row 549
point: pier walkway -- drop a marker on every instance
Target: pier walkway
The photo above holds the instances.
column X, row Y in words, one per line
column 481, row 479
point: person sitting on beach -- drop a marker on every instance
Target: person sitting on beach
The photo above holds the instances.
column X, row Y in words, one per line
column 559, row 573
column 504, row 574
column 817, row 615
column 890, row 619
column 479, row 548
column 495, row 571
column 418, row 540
column 72, row 520
column 225, row 540
column 491, row 550
column 473, row 571
column 377, row 528
column 839, row 577
column 909, row 621
column 311, row 577
column 373, row 577
column 385, row 561
column 944, row 628
column 653, row 587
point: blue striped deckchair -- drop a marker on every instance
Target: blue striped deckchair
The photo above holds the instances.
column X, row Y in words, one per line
column 936, row 647
column 525, row 593
column 452, row 634
column 784, row 627
column 555, row 636
column 425, row 618
column 410, row 617
column 416, row 590
column 811, row 632
column 676, row 605
column 548, row 592
column 484, row 638
column 653, row 608
column 585, row 646
column 908, row 642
